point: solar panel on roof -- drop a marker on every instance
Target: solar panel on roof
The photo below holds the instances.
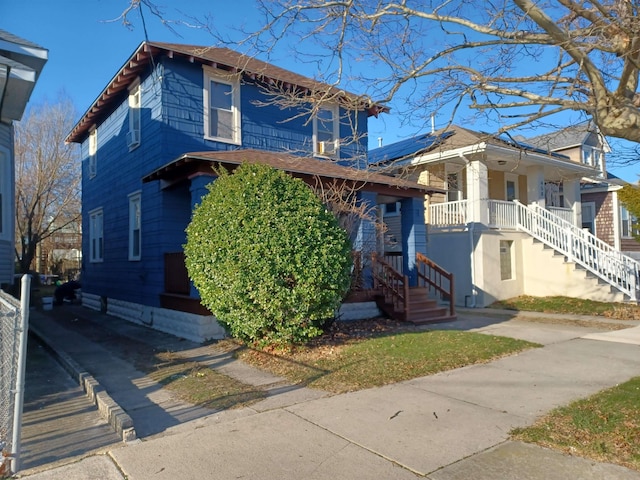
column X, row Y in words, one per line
column 406, row 148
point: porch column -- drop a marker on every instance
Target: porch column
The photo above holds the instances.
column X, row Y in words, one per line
column 198, row 189
column 478, row 192
column 364, row 238
column 535, row 186
column 414, row 235
column 571, row 191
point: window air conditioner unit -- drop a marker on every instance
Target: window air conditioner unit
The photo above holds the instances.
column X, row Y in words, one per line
column 327, row 148
column 133, row 138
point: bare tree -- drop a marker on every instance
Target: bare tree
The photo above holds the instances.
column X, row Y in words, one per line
column 47, row 177
column 519, row 62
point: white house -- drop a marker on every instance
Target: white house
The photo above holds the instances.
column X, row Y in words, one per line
column 20, row 65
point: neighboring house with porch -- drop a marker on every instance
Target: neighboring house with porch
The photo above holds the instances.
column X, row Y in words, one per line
column 149, row 142
column 602, row 213
column 510, row 221
column 20, row 65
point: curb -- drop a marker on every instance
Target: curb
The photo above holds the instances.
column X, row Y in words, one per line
column 109, row 410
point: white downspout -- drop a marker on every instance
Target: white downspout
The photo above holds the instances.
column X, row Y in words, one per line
column 472, row 256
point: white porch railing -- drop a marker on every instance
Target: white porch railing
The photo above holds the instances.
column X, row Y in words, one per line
column 578, row 245
column 448, row 214
column 564, row 213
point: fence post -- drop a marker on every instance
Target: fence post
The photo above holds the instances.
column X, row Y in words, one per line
column 25, row 295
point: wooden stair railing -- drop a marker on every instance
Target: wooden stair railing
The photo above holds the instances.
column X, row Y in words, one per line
column 434, row 276
column 393, row 286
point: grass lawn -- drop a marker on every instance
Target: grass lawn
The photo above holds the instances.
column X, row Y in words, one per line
column 368, row 362
column 200, row 385
column 604, row 427
column 568, row 305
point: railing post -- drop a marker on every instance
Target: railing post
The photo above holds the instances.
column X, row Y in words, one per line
column 406, row 297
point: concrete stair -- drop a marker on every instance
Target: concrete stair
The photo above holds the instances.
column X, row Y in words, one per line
column 550, row 273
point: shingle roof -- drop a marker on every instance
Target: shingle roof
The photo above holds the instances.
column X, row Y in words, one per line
column 221, row 58
column 10, row 37
column 564, row 138
column 451, row 138
column 304, row 167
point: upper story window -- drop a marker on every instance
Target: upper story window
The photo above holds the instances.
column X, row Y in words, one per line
column 326, row 132
column 96, row 236
column 135, row 221
column 592, row 157
column 221, row 106
column 93, row 152
column 133, row 135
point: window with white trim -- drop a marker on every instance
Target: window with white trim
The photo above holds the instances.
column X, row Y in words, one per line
column 589, row 217
column 221, row 106
column 135, row 221
column 326, row 132
column 629, row 223
column 96, row 236
column 133, row 135
column 592, row 156
column 511, row 187
column 93, row 153
column 391, row 209
column 506, row 261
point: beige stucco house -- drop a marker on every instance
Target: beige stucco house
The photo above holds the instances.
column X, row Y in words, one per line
column 510, row 222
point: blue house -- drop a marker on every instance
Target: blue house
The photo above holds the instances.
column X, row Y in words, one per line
column 21, row 62
column 149, row 143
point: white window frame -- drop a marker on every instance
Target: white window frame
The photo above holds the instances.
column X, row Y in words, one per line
column 629, row 220
column 393, row 213
column 96, row 235
column 511, row 177
column 327, row 148
column 93, row 152
column 135, row 223
column 225, row 78
column 135, row 127
column 6, row 202
column 589, row 206
column 507, row 245
column 454, row 194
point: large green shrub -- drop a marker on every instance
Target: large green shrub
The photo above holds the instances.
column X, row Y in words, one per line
column 267, row 257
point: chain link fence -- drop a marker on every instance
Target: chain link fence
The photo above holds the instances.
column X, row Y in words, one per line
column 9, row 349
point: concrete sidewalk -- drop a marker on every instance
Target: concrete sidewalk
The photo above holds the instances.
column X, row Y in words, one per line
column 453, row 425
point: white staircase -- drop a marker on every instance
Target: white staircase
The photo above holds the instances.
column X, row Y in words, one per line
column 578, row 246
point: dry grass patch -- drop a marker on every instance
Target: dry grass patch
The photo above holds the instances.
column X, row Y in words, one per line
column 604, row 427
column 201, row 385
column 357, row 359
column 569, row 305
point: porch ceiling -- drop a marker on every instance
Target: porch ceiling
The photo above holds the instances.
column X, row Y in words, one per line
column 311, row 170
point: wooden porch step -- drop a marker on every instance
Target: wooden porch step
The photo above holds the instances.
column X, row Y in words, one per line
column 422, row 309
column 429, row 320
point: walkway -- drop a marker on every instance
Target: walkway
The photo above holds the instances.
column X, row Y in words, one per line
column 452, row 425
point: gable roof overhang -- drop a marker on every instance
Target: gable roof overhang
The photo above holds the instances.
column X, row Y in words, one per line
column 311, row 170
column 20, row 65
column 507, row 158
column 219, row 58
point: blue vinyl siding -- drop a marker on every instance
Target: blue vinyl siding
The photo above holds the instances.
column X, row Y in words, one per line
column 172, row 123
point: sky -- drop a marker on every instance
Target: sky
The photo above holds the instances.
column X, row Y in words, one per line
column 88, row 44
